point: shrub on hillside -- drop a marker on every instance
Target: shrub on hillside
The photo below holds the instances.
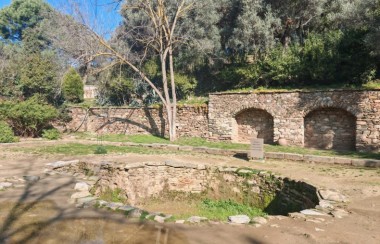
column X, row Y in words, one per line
column 51, row 134
column 28, row 118
column 72, row 87
column 6, row 133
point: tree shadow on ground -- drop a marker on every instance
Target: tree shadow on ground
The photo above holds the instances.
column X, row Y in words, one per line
column 34, row 217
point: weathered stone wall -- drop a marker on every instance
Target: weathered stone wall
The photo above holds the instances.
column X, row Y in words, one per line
column 192, row 121
column 330, row 129
column 254, row 123
column 140, row 181
column 290, row 112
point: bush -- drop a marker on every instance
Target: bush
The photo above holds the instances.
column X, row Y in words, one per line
column 72, row 87
column 38, row 75
column 100, row 150
column 6, row 133
column 51, row 134
column 28, row 118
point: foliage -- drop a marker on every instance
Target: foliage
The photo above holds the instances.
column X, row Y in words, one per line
column 221, row 209
column 112, row 195
column 72, row 87
column 51, row 134
column 21, row 15
column 38, row 75
column 100, row 150
column 185, row 85
column 28, row 118
column 115, row 92
column 6, row 133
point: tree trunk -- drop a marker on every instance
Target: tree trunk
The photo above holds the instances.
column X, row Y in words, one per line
column 174, row 96
column 168, row 105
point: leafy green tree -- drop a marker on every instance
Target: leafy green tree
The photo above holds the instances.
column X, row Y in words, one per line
column 255, row 28
column 38, row 75
column 20, row 16
column 72, row 87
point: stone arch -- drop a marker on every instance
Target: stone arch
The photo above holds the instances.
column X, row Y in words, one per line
column 330, row 128
column 253, row 123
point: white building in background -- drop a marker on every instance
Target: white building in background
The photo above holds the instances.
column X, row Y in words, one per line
column 90, row 92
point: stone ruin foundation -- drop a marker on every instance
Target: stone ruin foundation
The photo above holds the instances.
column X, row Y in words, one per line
column 140, row 181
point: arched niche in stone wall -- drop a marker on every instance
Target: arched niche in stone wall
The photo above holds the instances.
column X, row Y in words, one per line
column 330, row 128
column 253, row 123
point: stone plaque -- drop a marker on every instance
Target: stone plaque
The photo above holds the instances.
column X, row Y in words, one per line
column 257, row 149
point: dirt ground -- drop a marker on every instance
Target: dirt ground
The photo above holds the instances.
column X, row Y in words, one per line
column 40, row 212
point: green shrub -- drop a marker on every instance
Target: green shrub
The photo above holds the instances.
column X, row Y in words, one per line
column 51, row 134
column 72, row 87
column 100, row 150
column 28, row 118
column 6, row 133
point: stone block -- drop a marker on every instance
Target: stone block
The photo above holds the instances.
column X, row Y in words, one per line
column 345, row 161
column 185, row 148
column 239, row 219
column 366, row 163
column 155, row 163
column 60, row 164
column 318, row 159
column 134, row 166
column 176, row 164
column 172, row 147
column 214, row 151
column 275, row 155
column 293, row 156
column 200, row 149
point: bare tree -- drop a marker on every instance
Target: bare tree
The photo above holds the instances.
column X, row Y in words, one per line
column 153, row 27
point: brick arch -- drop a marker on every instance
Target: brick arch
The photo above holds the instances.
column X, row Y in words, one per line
column 330, row 128
column 253, row 123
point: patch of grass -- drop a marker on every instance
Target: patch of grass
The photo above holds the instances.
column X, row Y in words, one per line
column 85, row 149
column 100, row 150
column 115, row 195
column 221, row 209
column 372, row 85
column 193, row 101
column 333, row 153
column 201, row 142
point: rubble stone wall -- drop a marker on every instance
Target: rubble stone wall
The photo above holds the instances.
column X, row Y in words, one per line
column 192, row 121
column 341, row 119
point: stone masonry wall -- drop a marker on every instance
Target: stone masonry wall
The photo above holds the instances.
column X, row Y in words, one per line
column 143, row 180
column 192, row 121
column 254, row 123
column 289, row 110
column 330, row 129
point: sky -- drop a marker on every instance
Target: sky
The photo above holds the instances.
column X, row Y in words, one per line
column 104, row 11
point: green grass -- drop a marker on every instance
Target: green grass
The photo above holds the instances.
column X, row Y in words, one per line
column 221, row 209
column 85, row 149
column 148, row 139
column 317, row 87
column 331, row 153
column 115, row 195
column 200, row 142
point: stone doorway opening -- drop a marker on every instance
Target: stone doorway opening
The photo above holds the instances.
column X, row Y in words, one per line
column 330, row 128
column 253, row 123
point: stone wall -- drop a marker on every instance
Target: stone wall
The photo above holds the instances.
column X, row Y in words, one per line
column 324, row 119
column 254, row 123
column 143, row 180
column 330, row 128
column 192, row 121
